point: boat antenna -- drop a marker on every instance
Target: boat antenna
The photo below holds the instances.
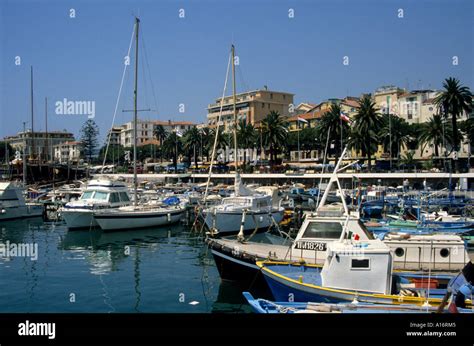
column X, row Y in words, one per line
column 324, row 165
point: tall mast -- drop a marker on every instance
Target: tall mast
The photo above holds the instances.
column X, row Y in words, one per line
column 135, row 116
column 32, row 116
column 46, row 145
column 235, row 109
column 24, row 153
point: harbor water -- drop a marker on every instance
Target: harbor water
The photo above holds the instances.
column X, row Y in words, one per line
column 162, row 270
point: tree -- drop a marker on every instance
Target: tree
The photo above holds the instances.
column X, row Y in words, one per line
column 467, row 127
column 4, row 149
column 191, row 140
column 452, row 102
column 274, row 133
column 89, row 138
column 246, row 138
column 115, row 153
column 160, row 134
column 368, row 122
column 397, row 131
column 172, row 147
column 435, row 132
column 408, row 160
column 331, row 123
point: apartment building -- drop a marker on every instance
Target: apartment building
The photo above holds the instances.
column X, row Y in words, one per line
column 253, row 106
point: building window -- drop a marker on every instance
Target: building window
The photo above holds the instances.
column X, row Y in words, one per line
column 263, row 105
column 271, row 96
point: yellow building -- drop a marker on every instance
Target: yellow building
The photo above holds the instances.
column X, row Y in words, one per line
column 253, row 106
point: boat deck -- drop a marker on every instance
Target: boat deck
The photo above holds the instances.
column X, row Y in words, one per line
column 260, row 250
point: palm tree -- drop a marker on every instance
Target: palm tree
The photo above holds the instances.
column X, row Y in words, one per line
column 223, row 140
column 397, row 131
column 172, row 147
column 409, row 160
column 160, row 134
column 453, row 101
column 191, row 140
column 435, row 132
column 367, row 123
column 331, row 123
column 274, row 134
column 246, row 137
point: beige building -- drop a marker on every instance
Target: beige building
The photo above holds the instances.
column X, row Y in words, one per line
column 67, row 152
column 171, row 125
column 40, row 144
column 386, row 99
column 253, row 106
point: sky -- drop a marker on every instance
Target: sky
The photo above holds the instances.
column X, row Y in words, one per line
column 82, row 58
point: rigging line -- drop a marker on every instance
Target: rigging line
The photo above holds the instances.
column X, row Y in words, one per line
column 149, row 72
column 145, row 86
column 118, row 99
column 217, row 129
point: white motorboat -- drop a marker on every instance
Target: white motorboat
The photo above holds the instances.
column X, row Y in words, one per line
column 133, row 217
column 13, row 204
column 99, row 194
column 258, row 210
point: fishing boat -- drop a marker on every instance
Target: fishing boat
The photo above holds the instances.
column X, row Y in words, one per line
column 353, row 270
column 13, row 204
column 413, row 253
column 137, row 215
column 246, row 210
column 265, row 306
column 99, row 194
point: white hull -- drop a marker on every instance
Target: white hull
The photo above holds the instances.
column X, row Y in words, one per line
column 19, row 212
column 79, row 218
column 124, row 220
column 229, row 222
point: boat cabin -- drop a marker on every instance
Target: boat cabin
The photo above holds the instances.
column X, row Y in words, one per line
column 359, row 266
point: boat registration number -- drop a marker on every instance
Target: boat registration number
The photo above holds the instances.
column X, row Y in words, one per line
column 311, row 245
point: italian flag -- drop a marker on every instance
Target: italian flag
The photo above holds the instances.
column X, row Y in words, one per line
column 353, row 236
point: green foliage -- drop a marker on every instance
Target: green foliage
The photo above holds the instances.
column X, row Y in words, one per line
column 274, row 134
column 89, row 139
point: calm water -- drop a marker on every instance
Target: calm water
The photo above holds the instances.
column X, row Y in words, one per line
column 153, row 270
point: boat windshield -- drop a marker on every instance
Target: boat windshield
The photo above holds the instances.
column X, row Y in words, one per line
column 87, row 195
column 315, row 229
column 101, row 196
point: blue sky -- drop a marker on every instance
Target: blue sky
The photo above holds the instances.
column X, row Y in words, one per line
column 82, row 58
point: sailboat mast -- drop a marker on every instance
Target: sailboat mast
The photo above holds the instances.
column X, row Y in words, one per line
column 235, row 108
column 46, row 146
column 135, row 117
column 32, row 153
